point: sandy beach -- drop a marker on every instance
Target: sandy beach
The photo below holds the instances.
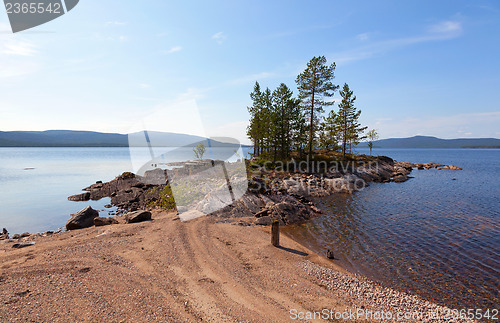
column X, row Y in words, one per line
column 166, row 270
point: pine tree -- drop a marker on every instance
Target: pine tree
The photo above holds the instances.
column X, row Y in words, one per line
column 254, row 130
column 314, row 84
column 329, row 132
column 347, row 120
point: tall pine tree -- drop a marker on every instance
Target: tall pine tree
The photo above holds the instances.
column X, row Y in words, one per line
column 314, row 85
column 350, row 130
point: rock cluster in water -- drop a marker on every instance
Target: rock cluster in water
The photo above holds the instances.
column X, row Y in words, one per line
column 272, row 194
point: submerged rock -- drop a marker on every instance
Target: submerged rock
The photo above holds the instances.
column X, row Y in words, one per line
column 451, row 167
column 80, row 197
column 82, row 219
column 400, row 178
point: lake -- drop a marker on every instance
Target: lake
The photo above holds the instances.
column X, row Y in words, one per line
column 432, row 235
column 436, row 235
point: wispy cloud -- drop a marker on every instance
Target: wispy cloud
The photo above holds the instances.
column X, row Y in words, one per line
column 172, row 50
column 18, row 47
column 441, row 31
column 446, row 27
column 144, row 85
column 363, row 36
column 17, row 56
column 219, row 37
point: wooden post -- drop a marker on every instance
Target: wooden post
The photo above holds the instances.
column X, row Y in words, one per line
column 275, row 233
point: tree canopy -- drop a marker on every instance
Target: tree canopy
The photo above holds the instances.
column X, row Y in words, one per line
column 281, row 124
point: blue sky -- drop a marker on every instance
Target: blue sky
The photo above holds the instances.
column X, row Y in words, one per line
column 420, row 67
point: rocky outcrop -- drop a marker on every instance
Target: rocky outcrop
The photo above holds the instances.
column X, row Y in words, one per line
column 82, row 219
column 137, row 216
column 127, row 191
column 271, row 195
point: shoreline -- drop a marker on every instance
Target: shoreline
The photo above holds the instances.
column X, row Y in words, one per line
column 192, row 270
column 372, row 287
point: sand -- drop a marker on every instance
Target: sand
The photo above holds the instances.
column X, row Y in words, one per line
column 166, row 270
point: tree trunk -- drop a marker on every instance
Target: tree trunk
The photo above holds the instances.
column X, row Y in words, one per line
column 311, row 126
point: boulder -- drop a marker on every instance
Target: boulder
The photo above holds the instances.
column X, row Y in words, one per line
column 137, row 216
column 100, row 221
column 4, row 235
column 82, row 219
column 265, row 220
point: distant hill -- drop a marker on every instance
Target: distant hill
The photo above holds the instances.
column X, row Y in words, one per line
column 70, row 138
column 433, row 142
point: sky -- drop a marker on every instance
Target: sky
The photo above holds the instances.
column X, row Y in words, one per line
column 416, row 67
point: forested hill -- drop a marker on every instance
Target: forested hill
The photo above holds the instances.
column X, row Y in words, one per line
column 69, row 138
column 433, row 142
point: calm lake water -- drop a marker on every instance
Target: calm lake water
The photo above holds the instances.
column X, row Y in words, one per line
column 433, row 236
column 37, row 181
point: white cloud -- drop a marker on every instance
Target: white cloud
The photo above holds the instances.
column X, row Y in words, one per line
column 173, row 50
column 219, row 37
column 363, row 36
column 144, row 85
column 123, row 38
column 442, row 31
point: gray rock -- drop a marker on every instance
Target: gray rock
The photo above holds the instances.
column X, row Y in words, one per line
column 100, row 221
column 137, row 216
column 4, row 235
column 82, row 219
column 265, row 220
